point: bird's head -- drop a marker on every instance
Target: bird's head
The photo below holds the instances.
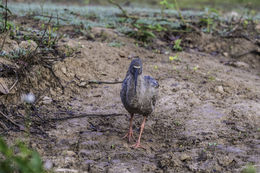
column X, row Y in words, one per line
column 135, row 69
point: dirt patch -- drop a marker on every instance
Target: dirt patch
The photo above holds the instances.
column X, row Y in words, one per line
column 206, row 119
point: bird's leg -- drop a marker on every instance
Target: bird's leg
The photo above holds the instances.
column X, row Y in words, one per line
column 130, row 134
column 138, row 145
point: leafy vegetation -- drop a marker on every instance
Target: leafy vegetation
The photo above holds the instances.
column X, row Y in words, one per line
column 212, row 15
column 165, row 5
column 177, row 45
column 249, row 169
column 19, row 158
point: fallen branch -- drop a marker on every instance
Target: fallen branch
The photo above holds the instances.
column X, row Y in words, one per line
column 82, row 115
column 89, row 82
column 9, row 119
column 255, row 51
column 103, row 82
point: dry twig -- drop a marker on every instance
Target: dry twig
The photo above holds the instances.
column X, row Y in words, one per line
column 43, row 35
column 81, row 115
column 3, row 43
column 9, row 119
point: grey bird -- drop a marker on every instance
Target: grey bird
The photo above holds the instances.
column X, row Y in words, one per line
column 138, row 95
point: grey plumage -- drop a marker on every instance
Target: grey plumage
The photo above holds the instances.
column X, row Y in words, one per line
column 138, row 93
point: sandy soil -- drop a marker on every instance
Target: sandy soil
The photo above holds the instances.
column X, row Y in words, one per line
column 206, row 119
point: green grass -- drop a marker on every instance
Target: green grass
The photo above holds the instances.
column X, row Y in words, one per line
column 249, row 169
column 19, row 158
column 99, row 16
column 197, row 4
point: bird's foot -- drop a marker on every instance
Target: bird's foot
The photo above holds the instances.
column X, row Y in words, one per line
column 130, row 135
column 137, row 145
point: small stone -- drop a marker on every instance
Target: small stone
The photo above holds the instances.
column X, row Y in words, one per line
column 82, row 84
column 225, row 160
column 48, row 165
column 64, row 70
column 185, row 157
column 241, row 64
column 121, row 54
column 166, row 52
column 69, row 153
column 219, row 89
column 225, row 54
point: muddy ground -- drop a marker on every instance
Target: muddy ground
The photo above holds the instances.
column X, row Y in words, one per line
column 206, row 119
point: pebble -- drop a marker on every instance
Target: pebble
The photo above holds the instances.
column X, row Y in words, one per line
column 64, row 70
column 82, row 84
column 122, row 54
column 185, row 157
column 220, row 89
column 46, row 100
column 69, row 153
column 241, row 64
column 48, row 164
column 225, row 54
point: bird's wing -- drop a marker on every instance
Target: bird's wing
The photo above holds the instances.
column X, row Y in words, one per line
column 124, row 88
column 123, row 91
column 152, row 82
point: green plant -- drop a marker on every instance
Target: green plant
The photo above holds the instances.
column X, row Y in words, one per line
column 212, row 144
column 142, row 32
column 42, row 3
column 174, row 58
column 196, row 68
column 177, row 45
column 211, row 15
column 5, row 25
column 245, row 24
column 211, row 78
column 249, row 169
column 17, row 53
column 165, row 5
column 177, row 123
column 19, row 158
column 69, row 51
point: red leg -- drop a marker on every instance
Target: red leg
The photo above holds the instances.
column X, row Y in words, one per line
column 138, row 145
column 130, row 134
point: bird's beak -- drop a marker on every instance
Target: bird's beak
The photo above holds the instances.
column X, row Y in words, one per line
column 136, row 75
